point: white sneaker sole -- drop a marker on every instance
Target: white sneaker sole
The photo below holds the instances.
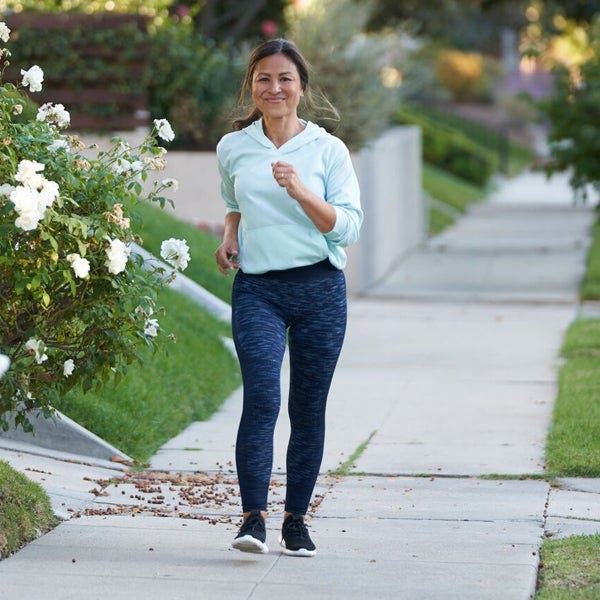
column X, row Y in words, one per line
column 247, row 543
column 300, row 552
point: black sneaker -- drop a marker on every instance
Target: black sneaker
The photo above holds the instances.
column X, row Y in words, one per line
column 295, row 539
column 252, row 534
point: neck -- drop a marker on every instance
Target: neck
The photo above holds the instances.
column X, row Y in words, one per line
column 281, row 130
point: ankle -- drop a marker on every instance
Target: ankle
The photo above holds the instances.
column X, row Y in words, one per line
column 289, row 514
column 246, row 515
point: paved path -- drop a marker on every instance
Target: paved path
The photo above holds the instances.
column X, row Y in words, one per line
column 443, row 386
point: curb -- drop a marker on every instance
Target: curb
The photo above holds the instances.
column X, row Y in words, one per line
column 64, row 435
column 187, row 287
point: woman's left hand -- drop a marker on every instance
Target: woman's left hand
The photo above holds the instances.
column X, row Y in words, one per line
column 321, row 213
column 285, row 175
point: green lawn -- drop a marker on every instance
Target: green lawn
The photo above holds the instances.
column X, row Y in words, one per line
column 25, row 510
column 453, row 191
column 590, row 289
column 573, row 445
column 183, row 382
column 570, row 569
column 158, row 225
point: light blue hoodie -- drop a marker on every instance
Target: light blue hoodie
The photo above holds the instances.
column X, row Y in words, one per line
column 274, row 231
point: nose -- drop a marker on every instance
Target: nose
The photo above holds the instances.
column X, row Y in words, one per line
column 275, row 86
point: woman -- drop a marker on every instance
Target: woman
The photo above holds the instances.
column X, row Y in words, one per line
column 292, row 202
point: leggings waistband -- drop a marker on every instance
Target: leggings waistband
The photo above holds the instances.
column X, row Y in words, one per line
column 304, row 273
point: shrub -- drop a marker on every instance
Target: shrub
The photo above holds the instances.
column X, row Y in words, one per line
column 450, row 150
column 194, row 83
column 467, row 75
column 75, row 305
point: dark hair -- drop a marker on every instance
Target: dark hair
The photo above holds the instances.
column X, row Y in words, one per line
column 268, row 48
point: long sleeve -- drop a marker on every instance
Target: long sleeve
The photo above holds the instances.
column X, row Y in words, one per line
column 227, row 187
column 343, row 193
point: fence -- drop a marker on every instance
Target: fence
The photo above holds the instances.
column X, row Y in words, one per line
column 96, row 65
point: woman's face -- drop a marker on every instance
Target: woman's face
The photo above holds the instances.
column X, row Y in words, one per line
column 276, row 86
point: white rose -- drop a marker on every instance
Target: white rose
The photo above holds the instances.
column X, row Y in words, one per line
column 117, row 255
column 33, row 78
column 31, row 205
column 27, row 173
column 164, row 130
column 80, row 266
column 17, row 109
column 62, row 116
column 170, row 182
column 43, row 111
column 122, row 165
column 37, row 347
column 28, row 221
column 4, row 364
column 68, row 367
column 6, row 189
column 25, row 199
column 54, row 114
column 4, row 32
column 175, row 252
column 57, row 145
column 151, row 327
column 137, row 167
column 48, row 194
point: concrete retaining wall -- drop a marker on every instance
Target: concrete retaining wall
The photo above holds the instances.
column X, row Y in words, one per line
column 389, row 172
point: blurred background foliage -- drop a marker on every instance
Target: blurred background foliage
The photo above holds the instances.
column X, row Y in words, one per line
column 378, row 62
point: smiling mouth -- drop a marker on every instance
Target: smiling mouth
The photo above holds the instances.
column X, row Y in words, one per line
column 275, row 100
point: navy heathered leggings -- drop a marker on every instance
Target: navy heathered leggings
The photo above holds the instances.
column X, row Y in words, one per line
column 309, row 303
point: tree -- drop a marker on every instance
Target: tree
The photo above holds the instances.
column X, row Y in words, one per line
column 574, row 114
column 232, row 20
column 462, row 24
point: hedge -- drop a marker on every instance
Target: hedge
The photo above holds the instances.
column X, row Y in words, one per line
column 451, row 150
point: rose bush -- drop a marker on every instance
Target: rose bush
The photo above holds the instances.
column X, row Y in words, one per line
column 75, row 301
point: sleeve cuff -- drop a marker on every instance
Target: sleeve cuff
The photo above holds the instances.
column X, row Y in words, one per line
column 338, row 226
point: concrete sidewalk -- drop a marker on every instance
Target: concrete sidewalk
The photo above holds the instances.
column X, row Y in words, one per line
column 443, row 389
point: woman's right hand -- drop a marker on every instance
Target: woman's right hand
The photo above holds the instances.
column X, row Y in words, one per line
column 226, row 256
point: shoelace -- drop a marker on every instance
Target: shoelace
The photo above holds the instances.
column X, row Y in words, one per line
column 297, row 526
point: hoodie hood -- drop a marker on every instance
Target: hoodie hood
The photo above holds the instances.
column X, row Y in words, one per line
column 308, row 134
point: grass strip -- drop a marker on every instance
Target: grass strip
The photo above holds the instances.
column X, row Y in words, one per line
column 590, row 286
column 570, row 568
column 451, row 190
column 183, row 382
column 573, row 445
column 344, row 468
column 157, row 225
column 25, row 510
